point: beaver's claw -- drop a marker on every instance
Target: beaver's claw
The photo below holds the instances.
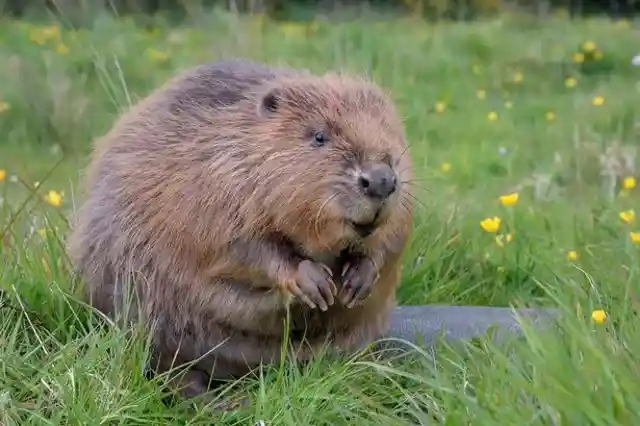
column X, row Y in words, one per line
column 358, row 277
column 314, row 285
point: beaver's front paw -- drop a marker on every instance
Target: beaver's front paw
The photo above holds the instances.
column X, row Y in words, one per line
column 314, row 285
column 358, row 276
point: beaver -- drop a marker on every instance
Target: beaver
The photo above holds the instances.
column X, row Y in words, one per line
column 241, row 204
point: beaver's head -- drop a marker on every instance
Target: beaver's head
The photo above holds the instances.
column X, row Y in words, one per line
column 335, row 159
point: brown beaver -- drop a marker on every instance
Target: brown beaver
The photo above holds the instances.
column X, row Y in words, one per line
column 237, row 196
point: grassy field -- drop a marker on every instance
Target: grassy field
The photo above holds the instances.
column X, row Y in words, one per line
column 546, row 110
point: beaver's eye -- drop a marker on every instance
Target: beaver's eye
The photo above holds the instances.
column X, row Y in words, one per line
column 319, row 139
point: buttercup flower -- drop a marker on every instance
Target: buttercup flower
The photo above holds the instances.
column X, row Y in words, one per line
column 44, row 231
column 54, row 198
column 491, row 224
column 445, row 167
column 588, row 46
column 629, row 182
column 570, row 82
column 572, row 255
column 550, row 116
column 157, row 55
column 501, row 239
column 492, row 116
column 518, row 77
column 62, row 49
column 440, row 106
column 597, row 101
column 635, row 237
column 509, row 199
column 293, row 29
column 622, row 23
column 481, row 94
column 3, row 174
column 4, row 106
column 628, row 216
column 598, row 316
column 578, row 58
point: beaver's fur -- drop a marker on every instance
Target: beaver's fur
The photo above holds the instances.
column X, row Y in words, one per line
column 230, row 195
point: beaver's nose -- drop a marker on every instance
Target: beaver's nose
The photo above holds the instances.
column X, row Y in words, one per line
column 378, row 181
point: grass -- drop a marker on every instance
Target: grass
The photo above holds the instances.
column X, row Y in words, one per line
column 565, row 156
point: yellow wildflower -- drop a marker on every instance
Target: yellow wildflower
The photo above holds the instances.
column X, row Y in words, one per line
column 37, row 37
column 3, row 174
column 293, row 29
column 440, row 106
column 629, row 182
column 518, row 77
column 628, row 216
column 445, row 167
column 509, row 199
column 491, row 224
column 550, row 116
column 635, row 237
column 588, row 46
column 62, row 49
column 44, row 231
column 492, row 116
column 572, row 255
column 598, row 316
column 4, row 106
column 598, row 100
column 570, row 82
column 51, row 31
column 622, row 23
column 54, row 198
column 501, row 239
column 481, row 94
column 43, row 34
column 157, row 55
column 578, row 58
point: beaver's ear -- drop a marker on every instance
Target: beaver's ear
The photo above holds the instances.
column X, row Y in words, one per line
column 271, row 101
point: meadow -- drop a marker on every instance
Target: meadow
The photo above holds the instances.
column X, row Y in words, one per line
column 524, row 135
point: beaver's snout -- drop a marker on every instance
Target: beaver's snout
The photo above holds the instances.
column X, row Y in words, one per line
column 377, row 181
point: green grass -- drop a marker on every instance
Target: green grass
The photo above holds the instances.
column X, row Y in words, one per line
column 58, row 367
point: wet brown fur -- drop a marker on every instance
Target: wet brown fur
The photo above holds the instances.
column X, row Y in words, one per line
column 206, row 201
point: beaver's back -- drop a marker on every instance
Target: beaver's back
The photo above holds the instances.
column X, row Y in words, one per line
column 149, row 185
